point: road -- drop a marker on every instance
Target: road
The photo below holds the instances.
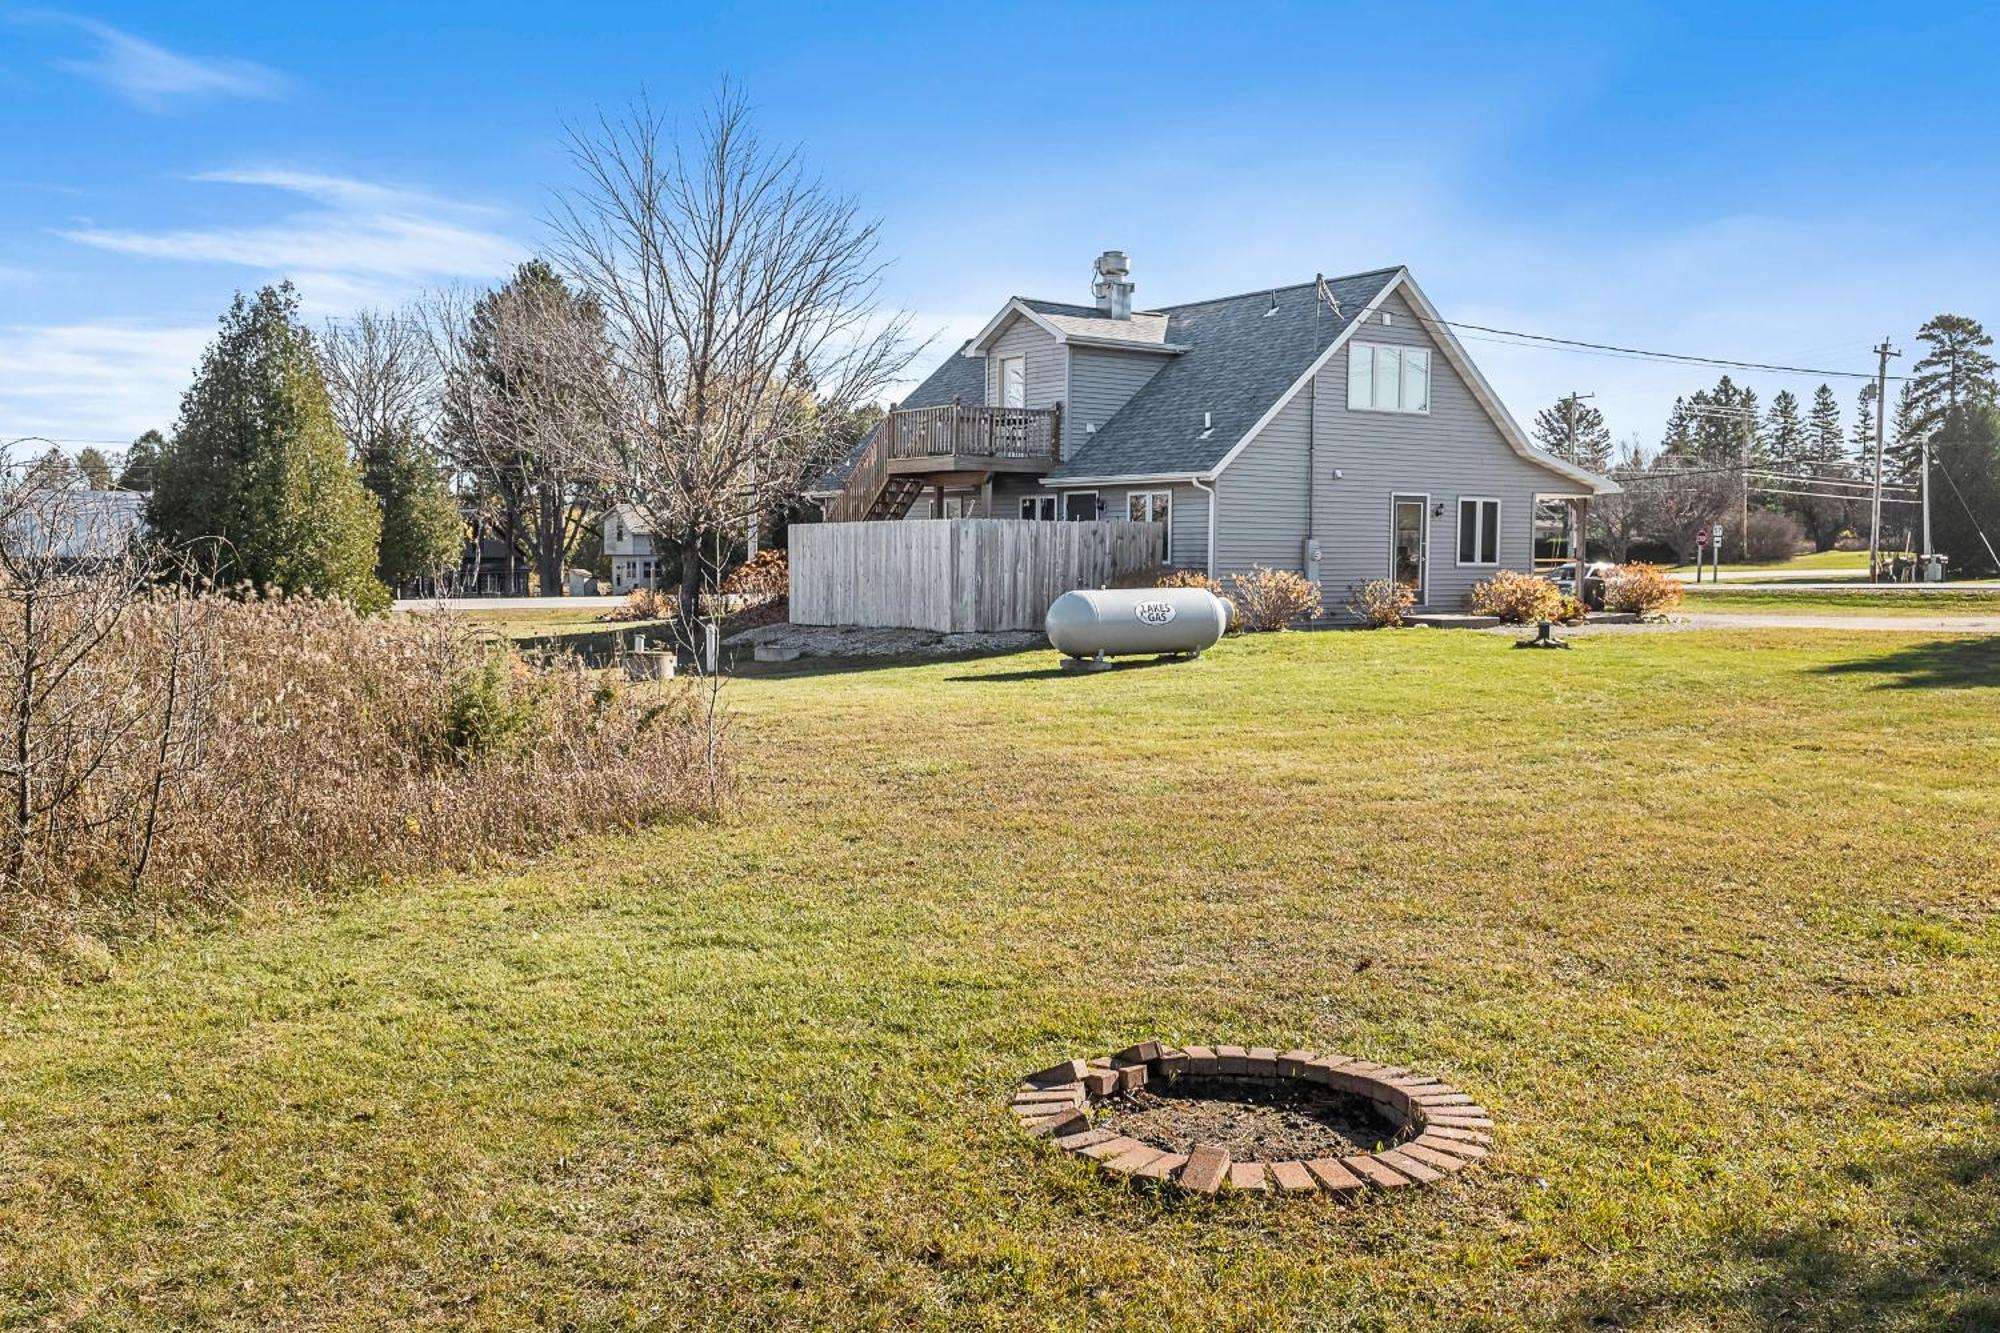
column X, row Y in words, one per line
column 508, row 603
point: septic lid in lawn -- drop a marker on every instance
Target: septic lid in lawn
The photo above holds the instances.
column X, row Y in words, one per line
column 1255, row 1119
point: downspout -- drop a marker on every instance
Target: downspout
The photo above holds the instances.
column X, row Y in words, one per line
column 1208, row 490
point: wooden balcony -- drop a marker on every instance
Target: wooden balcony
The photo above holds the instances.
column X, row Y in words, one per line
column 982, row 439
column 957, row 442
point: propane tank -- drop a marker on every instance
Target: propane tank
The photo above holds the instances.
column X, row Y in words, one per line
column 1114, row 622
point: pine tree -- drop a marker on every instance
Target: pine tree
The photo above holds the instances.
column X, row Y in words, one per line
column 1966, row 449
column 142, row 460
column 1955, row 371
column 94, row 468
column 1902, row 451
column 1824, row 443
column 52, row 471
column 1864, row 429
column 1785, row 435
column 1592, row 446
column 1719, row 431
column 257, row 465
column 1677, row 442
column 422, row 532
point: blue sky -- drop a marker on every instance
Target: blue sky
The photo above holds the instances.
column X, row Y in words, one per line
column 1769, row 184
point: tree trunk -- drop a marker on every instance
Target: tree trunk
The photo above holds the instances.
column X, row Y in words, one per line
column 691, row 589
column 549, row 542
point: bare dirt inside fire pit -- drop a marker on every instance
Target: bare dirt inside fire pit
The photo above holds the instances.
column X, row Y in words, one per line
column 1254, row 1121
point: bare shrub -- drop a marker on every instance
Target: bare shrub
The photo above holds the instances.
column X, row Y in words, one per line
column 1774, row 537
column 1188, row 578
column 1274, row 599
column 200, row 746
column 1381, row 603
column 1642, row 589
column 1517, row 598
column 645, row 604
column 764, row 576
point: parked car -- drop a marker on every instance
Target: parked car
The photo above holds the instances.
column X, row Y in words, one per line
column 1594, row 574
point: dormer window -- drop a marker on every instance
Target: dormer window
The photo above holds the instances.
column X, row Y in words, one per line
column 1013, row 381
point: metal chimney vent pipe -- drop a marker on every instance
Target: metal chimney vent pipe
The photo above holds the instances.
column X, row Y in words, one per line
column 1112, row 284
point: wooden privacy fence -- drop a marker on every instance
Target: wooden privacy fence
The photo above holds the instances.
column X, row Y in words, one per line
column 957, row 575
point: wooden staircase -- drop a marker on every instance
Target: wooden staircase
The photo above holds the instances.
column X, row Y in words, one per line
column 899, row 491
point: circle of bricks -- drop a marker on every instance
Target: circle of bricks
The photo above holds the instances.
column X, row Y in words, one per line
column 1449, row 1131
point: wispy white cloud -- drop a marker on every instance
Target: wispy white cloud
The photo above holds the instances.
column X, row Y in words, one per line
column 356, row 239
column 94, row 381
column 151, row 76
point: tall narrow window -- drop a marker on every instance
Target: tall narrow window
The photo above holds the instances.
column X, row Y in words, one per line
column 1381, row 378
column 1478, row 532
column 1013, row 381
column 1153, row 507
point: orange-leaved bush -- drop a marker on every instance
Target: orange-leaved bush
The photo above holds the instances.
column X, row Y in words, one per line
column 1642, row 589
column 1273, row 599
column 1381, row 603
column 1517, row 598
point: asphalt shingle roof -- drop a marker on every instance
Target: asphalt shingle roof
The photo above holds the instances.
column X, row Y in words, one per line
column 1083, row 321
column 1242, row 354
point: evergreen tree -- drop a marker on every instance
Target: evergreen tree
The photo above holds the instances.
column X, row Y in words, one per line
column 422, row 532
column 1864, row 429
column 142, row 460
column 1592, row 446
column 94, row 468
column 1902, row 451
column 1955, row 371
column 1718, row 433
column 1785, row 435
column 1824, row 443
column 1965, row 453
column 1677, row 442
column 52, row 471
column 258, row 465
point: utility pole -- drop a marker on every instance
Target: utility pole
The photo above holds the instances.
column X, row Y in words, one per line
column 1882, row 354
column 1924, row 494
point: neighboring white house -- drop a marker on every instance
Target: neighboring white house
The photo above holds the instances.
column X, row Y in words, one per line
column 628, row 545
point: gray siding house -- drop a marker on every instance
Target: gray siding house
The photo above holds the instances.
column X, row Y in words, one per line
column 1334, row 427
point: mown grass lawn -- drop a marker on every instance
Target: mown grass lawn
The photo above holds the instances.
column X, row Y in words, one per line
column 1837, row 561
column 1708, row 920
column 1982, row 600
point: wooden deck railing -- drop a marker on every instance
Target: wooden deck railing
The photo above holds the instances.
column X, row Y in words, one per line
column 959, row 430
column 953, row 431
column 864, row 483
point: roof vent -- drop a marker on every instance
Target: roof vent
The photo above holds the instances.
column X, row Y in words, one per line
column 1111, row 284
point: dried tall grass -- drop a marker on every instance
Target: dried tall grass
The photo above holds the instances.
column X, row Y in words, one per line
column 237, row 742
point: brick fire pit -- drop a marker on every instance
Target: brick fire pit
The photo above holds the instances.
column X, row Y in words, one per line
column 1441, row 1130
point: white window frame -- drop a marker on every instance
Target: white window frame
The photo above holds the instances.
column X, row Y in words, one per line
column 1036, row 503
column 1479, row 531
column 1360, row 353
column 1000, row 387
column 1154, row 502
column 1096, row 504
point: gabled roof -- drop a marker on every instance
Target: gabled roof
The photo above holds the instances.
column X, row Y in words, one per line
column 959, row 379
column 1244, row 354
column 1247, row 357
column 1078, row 325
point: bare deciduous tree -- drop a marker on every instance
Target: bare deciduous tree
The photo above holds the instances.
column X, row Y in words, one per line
column 523, row 399
column 380, row 375
column 740, row 302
